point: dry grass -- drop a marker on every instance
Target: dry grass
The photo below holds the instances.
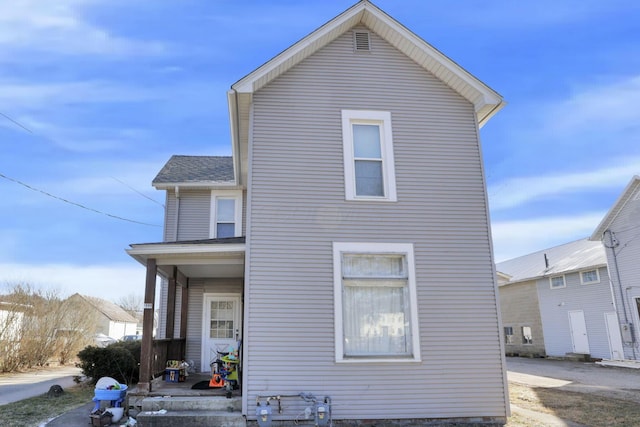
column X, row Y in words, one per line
column 586, row 409
column 36, row 410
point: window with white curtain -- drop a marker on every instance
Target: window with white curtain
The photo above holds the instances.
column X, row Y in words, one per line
column 375, row 302
column 368, row 155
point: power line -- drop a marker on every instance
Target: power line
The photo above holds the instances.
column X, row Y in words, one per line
column 15, row 122
column 133, row 189
column 74, row 203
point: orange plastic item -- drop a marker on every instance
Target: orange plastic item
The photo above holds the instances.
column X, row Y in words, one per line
column 216, row 381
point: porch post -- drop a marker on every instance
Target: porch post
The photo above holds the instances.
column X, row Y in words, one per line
column 171, row 305
column 184, row 306
column 146, row 351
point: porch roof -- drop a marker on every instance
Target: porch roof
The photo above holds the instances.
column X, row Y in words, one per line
column 219, row 258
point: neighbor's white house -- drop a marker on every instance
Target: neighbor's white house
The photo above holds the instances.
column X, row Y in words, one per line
column 619, row 232
column 557, row 302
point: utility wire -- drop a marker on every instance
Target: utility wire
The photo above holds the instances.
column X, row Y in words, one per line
column 133, row 189
column 17, row 123
column 73, row 203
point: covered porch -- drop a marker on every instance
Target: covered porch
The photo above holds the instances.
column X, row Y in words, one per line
column 180, row 265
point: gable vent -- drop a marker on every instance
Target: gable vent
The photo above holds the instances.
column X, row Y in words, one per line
column 361, row 41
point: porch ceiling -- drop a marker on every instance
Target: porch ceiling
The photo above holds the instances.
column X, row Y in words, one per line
column 198, row 259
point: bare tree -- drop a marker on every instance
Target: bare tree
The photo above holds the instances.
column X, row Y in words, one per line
column 132, row 304
column 39, row 327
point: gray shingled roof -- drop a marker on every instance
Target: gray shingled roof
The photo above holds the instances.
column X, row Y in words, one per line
column 193, row 169
column 579, row 255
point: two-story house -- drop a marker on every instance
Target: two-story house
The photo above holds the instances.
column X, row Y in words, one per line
column 619, row 233
column 346, row 241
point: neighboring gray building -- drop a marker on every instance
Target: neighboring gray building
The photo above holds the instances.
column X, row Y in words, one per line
column 522, row 325
column 346, row 242
column 564, row 290
column 619, row 231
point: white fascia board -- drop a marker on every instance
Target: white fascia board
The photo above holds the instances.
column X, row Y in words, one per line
column 617, row 207
column 489, row 96
column 200, row 184
column 246, row 84
column 184, row 249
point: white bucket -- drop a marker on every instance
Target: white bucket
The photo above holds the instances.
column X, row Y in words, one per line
column 117, row 413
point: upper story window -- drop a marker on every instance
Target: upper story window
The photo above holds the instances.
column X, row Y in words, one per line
column 375, row 303
column 589, row 277
column 557, row 282
column 226, row 214
column 369, row 170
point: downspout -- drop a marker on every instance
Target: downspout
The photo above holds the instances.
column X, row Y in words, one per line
column 612, row 244
column 177, row 220
column 234, row 127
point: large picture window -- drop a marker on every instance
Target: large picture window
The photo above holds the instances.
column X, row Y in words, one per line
column 376, row 316
column 368, row 155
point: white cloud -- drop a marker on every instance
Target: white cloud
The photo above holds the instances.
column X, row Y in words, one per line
column 613, row 105
column 519, row 191
column 59, row 27
column 19, row 95
column 515, row 238
column 109, row 282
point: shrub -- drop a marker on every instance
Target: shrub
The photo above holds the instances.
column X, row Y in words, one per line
column 133, row 347
column 113, row 361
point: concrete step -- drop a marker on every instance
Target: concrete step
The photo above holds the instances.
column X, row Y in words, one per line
column 190, row 419
column 192, row 403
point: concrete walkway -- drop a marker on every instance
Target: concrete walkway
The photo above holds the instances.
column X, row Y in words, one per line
column 23, row 385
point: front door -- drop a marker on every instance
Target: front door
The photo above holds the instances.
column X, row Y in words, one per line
column 578, row 332
column 221, row 326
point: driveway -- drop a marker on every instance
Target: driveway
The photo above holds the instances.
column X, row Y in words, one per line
column 19, row 386
column 606, row 381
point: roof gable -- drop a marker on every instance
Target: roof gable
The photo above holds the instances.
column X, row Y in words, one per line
column 112, row 311
column 485, row 100
column 629, row 192
column 569, row 257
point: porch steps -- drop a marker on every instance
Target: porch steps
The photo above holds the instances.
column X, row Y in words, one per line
column 191, row 411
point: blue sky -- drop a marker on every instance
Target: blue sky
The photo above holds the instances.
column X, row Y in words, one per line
column 96, row 95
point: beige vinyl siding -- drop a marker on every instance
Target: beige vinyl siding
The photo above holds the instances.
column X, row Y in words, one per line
column 197, row 289
column 298, row 209
column 193, row 211
column 169, row 217
column 194, row 216
column 625, row 270
column 555, row 304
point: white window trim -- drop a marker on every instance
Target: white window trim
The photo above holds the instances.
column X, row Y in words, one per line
column 226, row 194
column 405, row 249
column 593, row 282
column 382, row 119
column 564, row 282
